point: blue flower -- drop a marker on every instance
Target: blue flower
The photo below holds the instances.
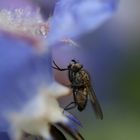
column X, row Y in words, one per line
column 72, row 18
column 28, row 91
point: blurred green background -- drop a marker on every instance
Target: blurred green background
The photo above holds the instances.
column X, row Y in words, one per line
column 111, row 54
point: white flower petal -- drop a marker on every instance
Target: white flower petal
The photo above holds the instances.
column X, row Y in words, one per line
column 37, row 115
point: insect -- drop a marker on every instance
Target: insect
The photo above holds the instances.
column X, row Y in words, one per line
column 81, row 88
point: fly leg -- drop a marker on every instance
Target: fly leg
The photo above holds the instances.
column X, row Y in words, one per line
column 69, row 106
column 58, row 68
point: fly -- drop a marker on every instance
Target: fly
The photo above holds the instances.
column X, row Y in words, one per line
column 81, row 88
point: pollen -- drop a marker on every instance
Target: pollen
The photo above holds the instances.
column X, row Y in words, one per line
column 24, row 21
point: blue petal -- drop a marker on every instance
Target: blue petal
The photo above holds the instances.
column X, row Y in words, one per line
column 4, row 136
column 15, row 4
column 46, row 7
column 73, row 18
column 22, row 70
column 72, row 118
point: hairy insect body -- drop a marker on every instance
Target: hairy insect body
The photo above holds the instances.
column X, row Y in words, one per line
column 80, row 79
column 80, row 84
column 81, row 95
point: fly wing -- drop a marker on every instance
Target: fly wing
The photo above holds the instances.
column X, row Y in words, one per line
column 95, row 104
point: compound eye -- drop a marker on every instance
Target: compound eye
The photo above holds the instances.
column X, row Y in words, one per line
column 78, row 65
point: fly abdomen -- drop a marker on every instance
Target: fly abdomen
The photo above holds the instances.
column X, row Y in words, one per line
column 81, row 98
